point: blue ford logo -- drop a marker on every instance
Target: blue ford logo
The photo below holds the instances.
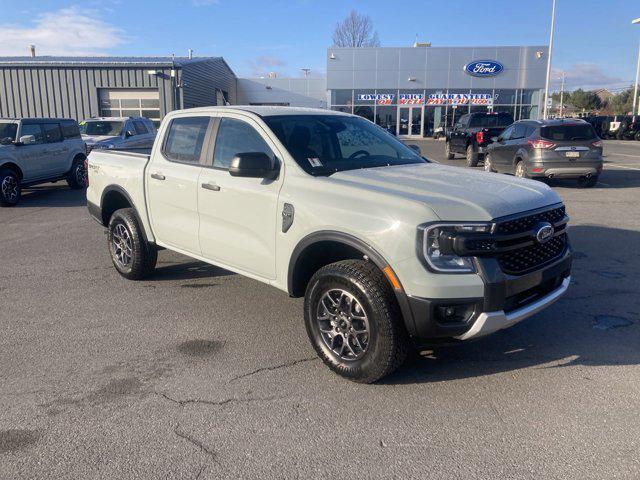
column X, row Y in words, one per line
column 544, row 232
column 483, row 68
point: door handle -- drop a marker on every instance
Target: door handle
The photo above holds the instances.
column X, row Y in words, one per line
column 211, row 186
column 158, row 176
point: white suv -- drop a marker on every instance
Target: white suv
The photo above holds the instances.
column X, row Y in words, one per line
column 39, row 150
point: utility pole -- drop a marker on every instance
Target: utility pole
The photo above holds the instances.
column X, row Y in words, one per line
column 562, row 94
column 635, row 89
column 546, row 87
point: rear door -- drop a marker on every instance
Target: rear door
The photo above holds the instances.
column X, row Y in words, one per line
column 56, row 150
column 500, row 150
column 238, row 216
column 516, row 140
column 171, row 180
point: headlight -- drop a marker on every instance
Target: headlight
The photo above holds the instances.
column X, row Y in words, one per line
column 437, row 246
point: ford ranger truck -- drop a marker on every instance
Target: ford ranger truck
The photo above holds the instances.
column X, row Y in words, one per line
column 389, row 250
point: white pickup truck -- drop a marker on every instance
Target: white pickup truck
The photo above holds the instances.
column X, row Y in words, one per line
column 388, row 249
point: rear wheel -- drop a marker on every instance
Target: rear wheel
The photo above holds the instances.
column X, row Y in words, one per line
column 637, row 135
column 10, row 190
column 354, row 322
column 472, row 156
column 447, row 151
column 588, row 182
column 488, row 167
column 132, row 256
column 521, row 170
column 77, row 176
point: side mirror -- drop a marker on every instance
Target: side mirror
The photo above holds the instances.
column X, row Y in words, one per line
column 27, row 139
column 253, row 165
column 415, row 148
column 496, row 139
column 129, row 133
column 6, row 141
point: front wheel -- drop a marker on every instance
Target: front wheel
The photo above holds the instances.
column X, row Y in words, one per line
column 10, row 189
column 472, row 156
column 447, row 151
column 488, row 167
column 354, row 322
column 131, row 254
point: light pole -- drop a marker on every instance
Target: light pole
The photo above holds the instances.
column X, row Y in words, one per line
column 546, row 86
column 635, row 89
column 562, row 94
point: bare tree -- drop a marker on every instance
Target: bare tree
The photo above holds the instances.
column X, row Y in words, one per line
column 355, row 31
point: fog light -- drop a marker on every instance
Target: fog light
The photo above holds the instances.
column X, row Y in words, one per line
column 448, row 314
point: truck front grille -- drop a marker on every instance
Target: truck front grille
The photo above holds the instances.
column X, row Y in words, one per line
column 529, row 258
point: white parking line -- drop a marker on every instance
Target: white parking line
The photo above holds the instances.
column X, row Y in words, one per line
column 624, row 155
column 615, row 165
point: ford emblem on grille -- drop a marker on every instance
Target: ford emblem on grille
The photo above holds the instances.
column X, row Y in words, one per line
column 544, row 232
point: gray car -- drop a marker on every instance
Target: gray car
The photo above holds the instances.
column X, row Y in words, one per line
column 565, row 148
column 120, row 133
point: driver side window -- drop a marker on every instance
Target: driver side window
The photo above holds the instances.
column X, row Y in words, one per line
column 234, row 137
column 35, row 130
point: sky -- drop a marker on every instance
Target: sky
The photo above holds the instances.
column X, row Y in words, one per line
column 595, row 44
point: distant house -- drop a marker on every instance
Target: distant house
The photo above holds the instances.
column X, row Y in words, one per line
column 604, row 95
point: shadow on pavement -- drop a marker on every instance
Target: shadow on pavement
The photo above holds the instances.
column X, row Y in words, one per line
column 53, row 195
column 188, row 270
column 597, row 323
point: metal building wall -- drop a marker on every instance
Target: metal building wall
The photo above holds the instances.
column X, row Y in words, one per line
column 297, row 92
column 202, row 80
column 72, row 91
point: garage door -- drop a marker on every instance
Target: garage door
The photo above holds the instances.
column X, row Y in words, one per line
column 130, row 103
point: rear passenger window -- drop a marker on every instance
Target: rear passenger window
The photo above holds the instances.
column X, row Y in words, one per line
column 52, row 132
column 233, row 137
column 185, row 138
column 518, row 131
column 140, row 127
column 70, row 129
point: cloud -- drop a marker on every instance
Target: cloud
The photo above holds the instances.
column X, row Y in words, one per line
column 264, row 64
column 588, row 76
column 69, row 31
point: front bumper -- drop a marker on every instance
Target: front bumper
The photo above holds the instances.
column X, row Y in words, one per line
column 507, row 300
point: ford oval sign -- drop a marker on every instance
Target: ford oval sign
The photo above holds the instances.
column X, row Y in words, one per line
column 483, row 68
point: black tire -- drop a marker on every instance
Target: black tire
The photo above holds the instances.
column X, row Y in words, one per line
column 124, row 230
column 520, row 169
column 387, row 342
column 488, row 164
column 77, row 176
column 588, row 182
column 472, row 156
column 447, row 151
column 622, row 129
column 604, row 129
column 10, row 188
column 637, row 136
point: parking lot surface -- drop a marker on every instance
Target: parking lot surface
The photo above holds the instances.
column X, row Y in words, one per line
column 200, row 373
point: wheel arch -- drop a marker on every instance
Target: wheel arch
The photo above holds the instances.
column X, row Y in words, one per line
column 114, row 197
column 325, row 247
column 13, row 166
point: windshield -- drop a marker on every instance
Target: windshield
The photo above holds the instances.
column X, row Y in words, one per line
column 489, row 121
column 8, row 129
column 568, row 132
column 324, row 144
column 101, row 127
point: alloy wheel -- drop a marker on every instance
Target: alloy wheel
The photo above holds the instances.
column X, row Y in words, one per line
column 520, row 170
column 81, row 175
column 487, row 163
column 343, row 324
column 10, row 188
column 122, row 245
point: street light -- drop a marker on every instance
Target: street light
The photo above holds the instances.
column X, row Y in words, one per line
column 546, row 86
column 635, row 89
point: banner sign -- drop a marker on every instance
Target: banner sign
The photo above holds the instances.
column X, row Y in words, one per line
column 460, row 99
column 411, row 99
column 379, row 98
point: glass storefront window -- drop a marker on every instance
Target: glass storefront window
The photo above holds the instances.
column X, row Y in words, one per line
column 364, row 97
column 529, row 112
column 342, row 108
column 393, row 95
column 386, row 117
column 504, row 97
column 364, row 111
column 341, row 97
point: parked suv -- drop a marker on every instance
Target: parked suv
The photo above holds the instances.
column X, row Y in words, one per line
column 122, row 133
column 39, row 150
column 472, row 134
column 387, row 249
column 565, row 148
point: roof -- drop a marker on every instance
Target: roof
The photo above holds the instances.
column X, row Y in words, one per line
column 37, row 119
column 267, row 111
column 102, row 61
column 553, row 121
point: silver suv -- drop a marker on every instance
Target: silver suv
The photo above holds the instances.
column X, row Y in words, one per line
column 566, row 148
column 120, row 133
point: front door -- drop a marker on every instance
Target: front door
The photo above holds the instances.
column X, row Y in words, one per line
column 238, row 216
column 410, row 121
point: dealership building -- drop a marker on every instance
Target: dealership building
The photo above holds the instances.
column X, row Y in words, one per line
column 411, row 91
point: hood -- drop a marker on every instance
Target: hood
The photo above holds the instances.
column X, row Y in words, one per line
column 93, row 139
column 454, row 193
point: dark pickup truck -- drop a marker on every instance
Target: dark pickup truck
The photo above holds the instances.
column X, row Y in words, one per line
column 472, row 134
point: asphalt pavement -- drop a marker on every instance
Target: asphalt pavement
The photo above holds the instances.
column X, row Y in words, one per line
column 200, row 373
